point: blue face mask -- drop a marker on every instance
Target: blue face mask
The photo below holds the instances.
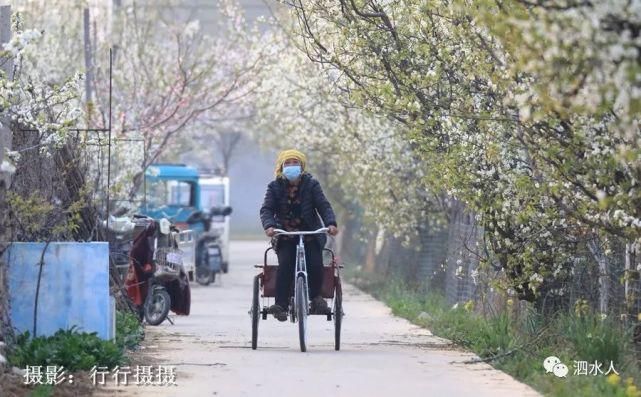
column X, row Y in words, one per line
column 292, row 172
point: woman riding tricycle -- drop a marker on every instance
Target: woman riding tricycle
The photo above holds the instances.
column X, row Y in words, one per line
column 292, row 212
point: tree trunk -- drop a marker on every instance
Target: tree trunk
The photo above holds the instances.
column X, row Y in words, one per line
column 370, row 256
column 631, row 278
column 604, row 274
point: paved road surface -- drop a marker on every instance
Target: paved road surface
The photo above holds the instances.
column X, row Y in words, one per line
column 381, row 355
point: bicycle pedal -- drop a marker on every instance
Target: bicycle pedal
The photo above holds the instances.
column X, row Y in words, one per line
column 321, row 312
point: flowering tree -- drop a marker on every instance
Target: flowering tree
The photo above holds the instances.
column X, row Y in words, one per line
column 40, row 113
column 298, row 107
column 167, row 74
column 527, row 112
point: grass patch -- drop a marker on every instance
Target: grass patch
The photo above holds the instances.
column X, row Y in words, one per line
column 519, row 344
column 42, row 391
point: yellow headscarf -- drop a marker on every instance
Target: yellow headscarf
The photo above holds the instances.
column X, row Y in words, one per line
column 289, row 154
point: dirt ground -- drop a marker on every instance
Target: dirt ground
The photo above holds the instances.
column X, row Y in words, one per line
column 12, row 385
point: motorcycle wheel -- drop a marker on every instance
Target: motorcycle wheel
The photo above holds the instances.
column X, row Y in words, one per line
column 203, row 274
column 157, row 308
column 204, row 279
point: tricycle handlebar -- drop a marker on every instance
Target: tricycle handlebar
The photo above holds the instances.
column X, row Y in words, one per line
column 285, row 233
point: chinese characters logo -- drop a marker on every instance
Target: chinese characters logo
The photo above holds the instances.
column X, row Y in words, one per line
column 554, row 365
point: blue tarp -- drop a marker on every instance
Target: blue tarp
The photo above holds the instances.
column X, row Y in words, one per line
column 74, row 287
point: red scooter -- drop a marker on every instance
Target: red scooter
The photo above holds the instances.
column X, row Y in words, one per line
column 156, row 281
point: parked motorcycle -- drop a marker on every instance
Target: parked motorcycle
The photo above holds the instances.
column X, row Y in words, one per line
column 157, row 281
column 209, row 256
column 120, row 235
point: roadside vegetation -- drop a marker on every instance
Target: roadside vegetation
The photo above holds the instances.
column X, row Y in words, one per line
column 518, row 341
column 71, row 349
column 76, row 351
column 129, row 330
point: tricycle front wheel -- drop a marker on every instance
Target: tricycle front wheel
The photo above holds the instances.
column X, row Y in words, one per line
column 255, row 312
column 301, row 311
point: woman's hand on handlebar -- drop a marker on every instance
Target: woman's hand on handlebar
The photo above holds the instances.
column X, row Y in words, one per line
column 270, row 232
column 332, row 230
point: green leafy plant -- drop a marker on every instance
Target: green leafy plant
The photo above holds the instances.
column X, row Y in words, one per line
column 69, row 348
column 129, row 330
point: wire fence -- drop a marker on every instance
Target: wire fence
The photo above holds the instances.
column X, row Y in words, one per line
column 448, row 260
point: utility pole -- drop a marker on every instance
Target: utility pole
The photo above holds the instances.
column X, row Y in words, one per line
column 88, row 58
column 115, row 9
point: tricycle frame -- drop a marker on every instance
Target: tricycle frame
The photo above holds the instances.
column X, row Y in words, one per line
column 264, row 289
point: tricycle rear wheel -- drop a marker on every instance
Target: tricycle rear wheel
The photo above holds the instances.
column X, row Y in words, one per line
column 338, row 313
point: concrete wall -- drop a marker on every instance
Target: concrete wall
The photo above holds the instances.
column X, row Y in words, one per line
column 74, row 287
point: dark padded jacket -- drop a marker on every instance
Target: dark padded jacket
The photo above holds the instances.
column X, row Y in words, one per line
column 313, row 201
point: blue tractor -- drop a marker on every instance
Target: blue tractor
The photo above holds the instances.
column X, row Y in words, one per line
column 172, row 191
column 178, row 192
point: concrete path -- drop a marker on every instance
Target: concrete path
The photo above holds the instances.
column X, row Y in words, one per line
column 381, row 355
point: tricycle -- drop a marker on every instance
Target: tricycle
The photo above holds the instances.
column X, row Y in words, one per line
column 264, row 288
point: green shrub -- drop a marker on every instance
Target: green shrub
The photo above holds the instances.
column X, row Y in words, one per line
column 129, row 330
column 69, row 348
